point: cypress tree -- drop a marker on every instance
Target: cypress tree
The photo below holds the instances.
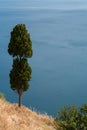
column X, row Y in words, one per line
column 20, row 47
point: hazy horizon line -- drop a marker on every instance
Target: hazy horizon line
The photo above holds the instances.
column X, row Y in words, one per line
column 46, row 8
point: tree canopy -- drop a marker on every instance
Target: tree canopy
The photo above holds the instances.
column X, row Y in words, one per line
column 20, row 74
column 20, row 43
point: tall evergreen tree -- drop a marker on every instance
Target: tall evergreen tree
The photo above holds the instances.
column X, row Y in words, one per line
column 20, row 47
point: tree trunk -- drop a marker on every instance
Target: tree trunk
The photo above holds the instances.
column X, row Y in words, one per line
column 20, row 97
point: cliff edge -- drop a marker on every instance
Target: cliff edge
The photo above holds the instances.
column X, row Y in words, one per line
column 14, row 118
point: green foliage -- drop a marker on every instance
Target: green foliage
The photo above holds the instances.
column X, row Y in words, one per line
column 83, row 117
column 72, row 118
column 67, row 117
column 20, row 42
column 20, row 74
column 84, row 109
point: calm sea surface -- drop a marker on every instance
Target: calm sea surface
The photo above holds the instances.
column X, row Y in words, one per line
column 59, row 62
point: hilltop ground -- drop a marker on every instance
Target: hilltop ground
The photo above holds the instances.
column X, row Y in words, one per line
column 14, row 118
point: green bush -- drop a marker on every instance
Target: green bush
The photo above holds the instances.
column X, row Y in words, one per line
column 83, row 117
column 73, row 118
column 67, row 117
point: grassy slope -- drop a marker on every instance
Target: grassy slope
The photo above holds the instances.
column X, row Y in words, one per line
column 14, row 118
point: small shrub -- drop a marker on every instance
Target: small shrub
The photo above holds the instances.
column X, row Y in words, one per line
column 72, row 118
column 67, row 117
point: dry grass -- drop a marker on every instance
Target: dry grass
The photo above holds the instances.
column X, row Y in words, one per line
column 14, row 118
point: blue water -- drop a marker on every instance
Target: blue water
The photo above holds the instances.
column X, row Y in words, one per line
column 59, row 62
